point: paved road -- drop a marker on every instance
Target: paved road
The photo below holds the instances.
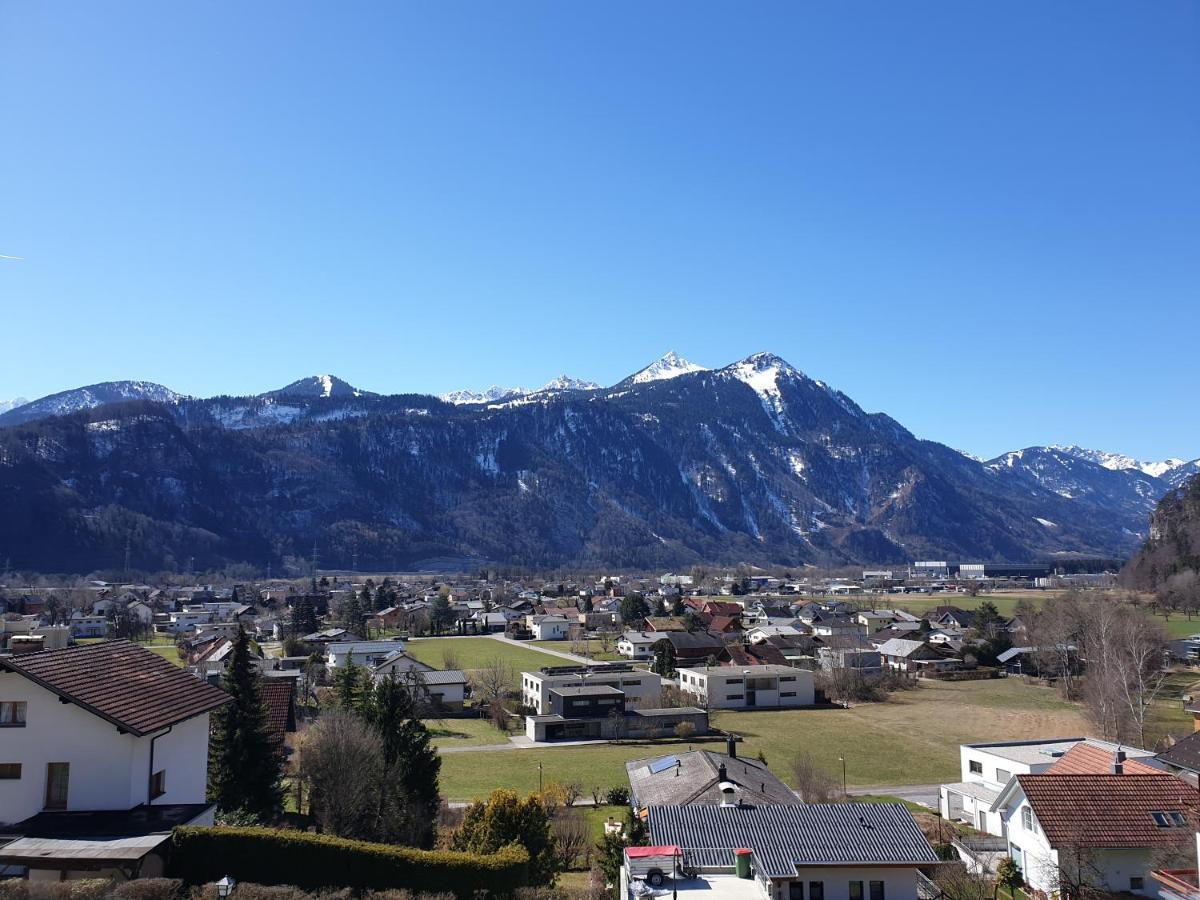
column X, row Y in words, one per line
column 924, row 794
column 569, row 657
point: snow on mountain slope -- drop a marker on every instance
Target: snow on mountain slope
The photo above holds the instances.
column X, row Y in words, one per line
column 322, row 386
column 495, row 394
column 567, row 383
column 89, row 397
column 1118, row 461
column 6, row 405
column 669, row 365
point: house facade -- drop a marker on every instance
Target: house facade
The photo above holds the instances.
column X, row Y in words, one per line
column 755, row 687
column 641, row 689
column 107, row 728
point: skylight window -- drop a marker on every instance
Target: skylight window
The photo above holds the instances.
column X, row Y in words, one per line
column 661, row 765
column 1169, row 819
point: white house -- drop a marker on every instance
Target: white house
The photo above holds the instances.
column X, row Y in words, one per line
column 985, row 770
column 110, row 729
column 88, row 626
column 641, row 689
column 637, row 644
column 339, row 654
column 807, row 851
column 550, row 628
column 1103, row 831
column 753, row 687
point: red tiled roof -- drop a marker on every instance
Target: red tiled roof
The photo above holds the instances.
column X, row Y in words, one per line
column 1088, row 759
column 136, row 690
column 276, row 696
column 1112, row 811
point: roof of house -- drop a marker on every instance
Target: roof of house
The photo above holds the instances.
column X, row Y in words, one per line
column 276, row 696
column 1111, row 811
column 1096, row 758
column 658, row 781
column 1185, row 754
column 900, row 647
column 136, row 690
column 692, row 640
column 783, row 837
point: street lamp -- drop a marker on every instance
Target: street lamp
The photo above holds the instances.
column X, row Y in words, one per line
column 843, row 761
column 225, row 887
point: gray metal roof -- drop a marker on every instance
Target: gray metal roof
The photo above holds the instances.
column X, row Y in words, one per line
column 784, row 837
column 696, row 780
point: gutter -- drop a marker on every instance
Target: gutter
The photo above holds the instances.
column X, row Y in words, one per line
column 150, row 773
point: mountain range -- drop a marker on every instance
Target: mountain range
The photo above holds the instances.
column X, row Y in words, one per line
column 676, row 464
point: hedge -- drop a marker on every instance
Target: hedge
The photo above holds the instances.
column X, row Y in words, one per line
column 314, row 861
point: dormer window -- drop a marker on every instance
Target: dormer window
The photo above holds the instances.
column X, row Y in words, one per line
column 1169, row 819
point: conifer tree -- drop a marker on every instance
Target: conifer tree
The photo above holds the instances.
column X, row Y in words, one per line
column 244, row 767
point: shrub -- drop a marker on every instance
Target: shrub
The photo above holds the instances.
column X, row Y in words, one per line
column 617, row 796
column 685, row 730
column 83, row 889
column 314, row 861
column 149, row 889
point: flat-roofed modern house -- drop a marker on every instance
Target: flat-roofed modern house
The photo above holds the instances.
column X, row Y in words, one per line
column 815, row 851
column 103, row 749
column 754, row 687
column 641, row 689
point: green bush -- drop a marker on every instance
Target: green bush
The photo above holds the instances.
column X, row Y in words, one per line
column 314, row 861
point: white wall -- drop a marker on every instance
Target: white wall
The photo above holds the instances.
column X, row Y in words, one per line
column 899, row 883
column 641, row 689
column 109, row 770
column 728, row 691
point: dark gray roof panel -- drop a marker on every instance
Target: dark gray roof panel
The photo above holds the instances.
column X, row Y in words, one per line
column 783, row 837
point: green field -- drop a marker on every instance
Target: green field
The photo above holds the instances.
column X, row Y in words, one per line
column 590, row 648
column 464, row 732
column 478, row 653
column 911, row 739
column 1005, row 601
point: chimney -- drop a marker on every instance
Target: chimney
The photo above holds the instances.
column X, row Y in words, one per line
column 722, row 773
column 731, row 747
column 1119, row 763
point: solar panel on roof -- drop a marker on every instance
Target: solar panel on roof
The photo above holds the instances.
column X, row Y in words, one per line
column 661, row 765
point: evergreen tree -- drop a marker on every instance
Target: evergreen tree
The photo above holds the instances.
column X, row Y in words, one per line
column 304, row 618
column 244, row 768
column 352, row 616
column 351, row 685
column 634, row 610
column 660, row 608
column 412, row 764
column 664, row 659
column 677, row 605
column 588, row 605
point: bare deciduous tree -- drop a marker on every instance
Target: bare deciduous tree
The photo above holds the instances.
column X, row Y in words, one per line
column 341, row 758
column 813, row 783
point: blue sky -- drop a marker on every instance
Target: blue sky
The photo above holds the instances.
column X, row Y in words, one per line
column 981, row 218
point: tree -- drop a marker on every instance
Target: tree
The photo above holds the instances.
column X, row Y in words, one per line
column 664, row 659
column 588, row 606
column 677, row 608
column 1008, row 874
column 352, row 615
column 490, row 684
column 304, row 618
column 411, row 763
column 634, row 610
column 349, row 684
column 245, row 769
column 341, row 758
column 442, row 616
column 814, row 783
column 506, row 818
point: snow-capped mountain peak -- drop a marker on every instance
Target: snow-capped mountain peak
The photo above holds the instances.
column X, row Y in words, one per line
column 89, row 397
column 669, row 365
column 491, row 395
column 1119, row 461
column 6, row 405
column 567, row 383
column 322, row 386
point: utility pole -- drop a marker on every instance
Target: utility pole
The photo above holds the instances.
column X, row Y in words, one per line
column 314, row 558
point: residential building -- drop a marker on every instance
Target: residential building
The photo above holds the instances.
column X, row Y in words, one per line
column 598, row 711
column 757, row 687
column 360, row 653
column 83, row 625
column 844, row 851
column 104, row 750
column 641, row 689
column 638, row 644
column 550, row 627
column 985, row 769
column 1102, row 832
column 704, row 777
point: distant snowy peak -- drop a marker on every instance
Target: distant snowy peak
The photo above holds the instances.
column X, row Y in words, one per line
column 89, row 397
column 491, row 395
column 1118, row 461
column 567, row 383
column 495, row 394
column 670, row 365
column 321, row 386
column 6, row 405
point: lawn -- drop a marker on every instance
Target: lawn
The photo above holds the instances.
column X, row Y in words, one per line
column 477, row 653
column 911, row 739
column 590, row 648
column 1005, row 601
column 464, row 732
column 167, row 652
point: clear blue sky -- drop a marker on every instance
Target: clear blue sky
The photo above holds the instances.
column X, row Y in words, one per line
column 981, row 218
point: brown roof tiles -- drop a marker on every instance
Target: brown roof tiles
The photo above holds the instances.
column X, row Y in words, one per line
column 136, row 690
column 1111, row 811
